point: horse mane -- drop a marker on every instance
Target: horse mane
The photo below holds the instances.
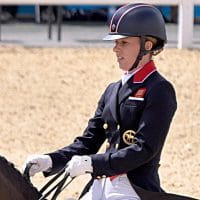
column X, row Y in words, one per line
column 13, row 186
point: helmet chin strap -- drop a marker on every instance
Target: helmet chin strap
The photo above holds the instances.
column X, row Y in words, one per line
column 141, row 53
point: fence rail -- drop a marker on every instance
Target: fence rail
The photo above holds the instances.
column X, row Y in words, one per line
column 89, row 2
column 185, row 14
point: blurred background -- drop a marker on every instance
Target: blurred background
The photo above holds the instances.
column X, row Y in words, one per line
column 27, row 13
column 66, row 22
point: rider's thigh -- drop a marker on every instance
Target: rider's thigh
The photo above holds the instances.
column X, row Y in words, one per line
column 119, row 189
column 95, row 191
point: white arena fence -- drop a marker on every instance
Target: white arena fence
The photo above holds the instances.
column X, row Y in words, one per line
column 185, row 13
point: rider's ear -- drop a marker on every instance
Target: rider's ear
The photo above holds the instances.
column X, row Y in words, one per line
column 148, row 45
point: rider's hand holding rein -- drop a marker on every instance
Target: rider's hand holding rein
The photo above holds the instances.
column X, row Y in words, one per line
column 39, row 163
column 79, row 165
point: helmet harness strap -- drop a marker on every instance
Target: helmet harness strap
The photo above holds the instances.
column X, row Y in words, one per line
column 141, row 53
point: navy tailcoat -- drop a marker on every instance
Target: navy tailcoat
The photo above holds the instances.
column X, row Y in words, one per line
column 134, row 120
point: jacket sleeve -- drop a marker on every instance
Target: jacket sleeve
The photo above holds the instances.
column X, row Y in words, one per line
column 153, row 128
column 88, row 143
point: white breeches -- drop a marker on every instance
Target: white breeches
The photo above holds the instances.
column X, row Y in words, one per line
column 117, row 189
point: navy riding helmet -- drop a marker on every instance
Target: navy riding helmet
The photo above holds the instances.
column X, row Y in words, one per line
column 140, row 20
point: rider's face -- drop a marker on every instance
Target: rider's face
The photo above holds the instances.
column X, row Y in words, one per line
column 127, row 50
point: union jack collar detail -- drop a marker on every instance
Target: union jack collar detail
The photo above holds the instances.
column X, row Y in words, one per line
column 143, row 73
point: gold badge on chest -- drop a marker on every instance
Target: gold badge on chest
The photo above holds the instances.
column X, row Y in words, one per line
column 129, row 137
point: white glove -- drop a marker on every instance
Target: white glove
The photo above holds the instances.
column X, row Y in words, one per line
column 79, row 165
column 40, row 163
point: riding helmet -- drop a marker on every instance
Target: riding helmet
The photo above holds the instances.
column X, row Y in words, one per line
column 139, row 20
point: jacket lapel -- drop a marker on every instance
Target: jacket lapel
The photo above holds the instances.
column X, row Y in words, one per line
column 127, row 89
column 136, row 81
column 114, row 101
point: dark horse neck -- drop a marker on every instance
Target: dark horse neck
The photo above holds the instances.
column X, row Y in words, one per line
column 13, row 186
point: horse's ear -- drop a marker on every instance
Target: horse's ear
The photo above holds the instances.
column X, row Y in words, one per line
column 13, row 186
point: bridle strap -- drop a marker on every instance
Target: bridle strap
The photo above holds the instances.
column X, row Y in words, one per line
column 52, row 180
column 58, row 188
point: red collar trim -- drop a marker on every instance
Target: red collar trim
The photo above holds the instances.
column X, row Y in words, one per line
column 144, row 72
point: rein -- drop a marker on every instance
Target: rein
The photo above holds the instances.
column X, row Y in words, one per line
column 59, row 187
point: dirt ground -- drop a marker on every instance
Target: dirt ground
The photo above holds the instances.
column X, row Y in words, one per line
column 48, row 95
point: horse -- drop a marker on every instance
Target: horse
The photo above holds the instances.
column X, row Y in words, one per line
column 17, row 186
column 14, row 186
